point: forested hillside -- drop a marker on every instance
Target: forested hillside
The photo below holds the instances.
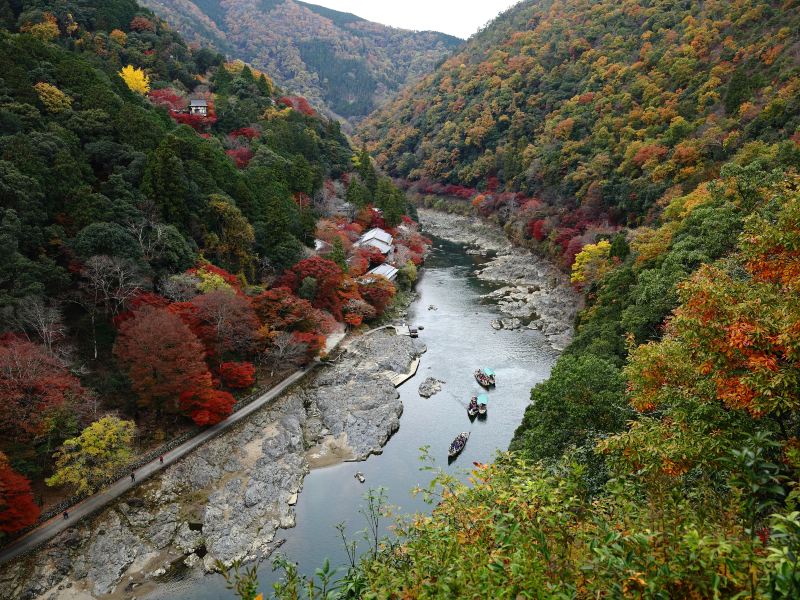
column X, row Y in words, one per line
column 158, row 205
column 652, row 148
column 339, row 61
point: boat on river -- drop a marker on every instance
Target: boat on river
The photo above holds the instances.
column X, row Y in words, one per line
column 473, row 408
column 485, row 377
column 483, row 402
column 360, row 476
column 458, row 444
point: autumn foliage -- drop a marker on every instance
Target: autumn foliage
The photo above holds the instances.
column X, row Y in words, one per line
column 238, row 375
column 33, row 383
column 162, row 357
column 17, row 506
column 206, row 406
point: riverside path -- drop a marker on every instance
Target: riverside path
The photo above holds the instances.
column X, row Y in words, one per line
column 49, row 529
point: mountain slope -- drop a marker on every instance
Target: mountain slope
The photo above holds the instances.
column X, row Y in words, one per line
column 606, row 104
column 337, row 60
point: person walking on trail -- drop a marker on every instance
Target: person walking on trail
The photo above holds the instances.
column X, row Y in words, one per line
column 66, row 515
column 133, row 477
column 161, row 459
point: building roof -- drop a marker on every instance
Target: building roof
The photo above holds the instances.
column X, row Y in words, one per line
column 378, row 238
column 378, row 234
column 198, row 102
column 387, row 271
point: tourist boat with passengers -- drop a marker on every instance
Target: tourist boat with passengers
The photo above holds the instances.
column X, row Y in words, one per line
column 458, row 444
column 485, row 377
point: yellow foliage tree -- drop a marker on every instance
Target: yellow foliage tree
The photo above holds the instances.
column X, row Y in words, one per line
column 136, row 79
column 119, row 36
column 592, row 263
column 102, row 448
column 54, row 100
column 211, row 282
column 46, row 31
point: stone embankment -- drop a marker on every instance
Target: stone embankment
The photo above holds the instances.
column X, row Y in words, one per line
column 227, row 500
column 534, row 293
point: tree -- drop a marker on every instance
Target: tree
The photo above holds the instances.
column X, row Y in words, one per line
column 338, row 255
column 33, row 383
column 231, row 236
column 284, row 352
column 592, row 263
column 43, row 318
column 357, row 194
column 238, row 376
column 54, row 100
column 377, row 290
column 278, row 308
column 136, row 79
column 328, row 276
column 583, row 398
column 18, row 509
column 181, row 287
column 206, row 406
column 95, row 455
column 108, row 284
column 162, row 358
column 229, row 322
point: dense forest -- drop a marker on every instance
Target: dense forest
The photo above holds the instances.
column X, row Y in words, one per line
column 158, row 205
column 340, row 62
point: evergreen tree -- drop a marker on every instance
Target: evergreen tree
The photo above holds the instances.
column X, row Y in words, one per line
column 338, row 255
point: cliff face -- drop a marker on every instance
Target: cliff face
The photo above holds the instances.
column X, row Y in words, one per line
column 339, row 61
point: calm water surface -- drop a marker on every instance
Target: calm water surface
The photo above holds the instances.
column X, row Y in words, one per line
column 459, row 339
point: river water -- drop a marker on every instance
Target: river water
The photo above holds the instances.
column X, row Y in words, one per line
column 459, row 340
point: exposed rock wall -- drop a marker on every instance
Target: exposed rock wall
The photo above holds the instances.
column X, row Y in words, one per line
column 226, row 500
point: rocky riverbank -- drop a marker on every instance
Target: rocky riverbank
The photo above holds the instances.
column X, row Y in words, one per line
column 227, row 500
column 535, row 294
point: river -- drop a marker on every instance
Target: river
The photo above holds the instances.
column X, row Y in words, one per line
column 459, row 339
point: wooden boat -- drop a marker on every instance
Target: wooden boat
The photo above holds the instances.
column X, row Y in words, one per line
column 473, row 408
column 458, row 444
column 483, row 401
column 485, row 377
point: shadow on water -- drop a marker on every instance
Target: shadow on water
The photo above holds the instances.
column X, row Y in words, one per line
column 460, row 339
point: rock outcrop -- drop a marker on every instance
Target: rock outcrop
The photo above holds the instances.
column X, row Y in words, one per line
column 226, row 500
column 429, row 387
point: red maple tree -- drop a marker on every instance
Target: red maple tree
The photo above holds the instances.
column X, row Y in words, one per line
column 162, row 358
column 377, row 290
column 33, row 382
column 206, row 406
column 237, row 375
column 328, row 276
column 18, row 509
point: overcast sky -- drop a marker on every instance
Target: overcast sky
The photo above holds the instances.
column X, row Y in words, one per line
column 461, row 18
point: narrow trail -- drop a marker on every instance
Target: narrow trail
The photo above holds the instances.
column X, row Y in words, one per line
column 49, row 529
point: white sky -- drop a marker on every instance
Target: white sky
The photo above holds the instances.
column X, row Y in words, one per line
column 461, row 18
